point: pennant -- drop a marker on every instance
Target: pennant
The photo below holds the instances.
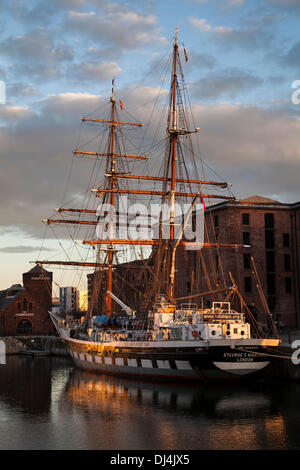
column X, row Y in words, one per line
column 202, row 200
column 121, row 105
column 185, row 54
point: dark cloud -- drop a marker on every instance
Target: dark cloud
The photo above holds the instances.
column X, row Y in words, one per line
column 93, row 71
column 21, row 90
column 292, row 6
column 199, row 60
column 36, row 46
column 34, row 56
column 292, row 57
column 227, row 83
column 36, row 151
column 250, row 39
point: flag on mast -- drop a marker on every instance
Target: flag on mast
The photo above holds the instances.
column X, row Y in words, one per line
column 121, row 105
column 202, row 200
column 185, row 54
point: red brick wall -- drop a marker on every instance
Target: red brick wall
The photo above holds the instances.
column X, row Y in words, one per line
column 231, row 230
column 39, row 295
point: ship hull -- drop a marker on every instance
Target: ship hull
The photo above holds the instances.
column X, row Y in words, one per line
column 177, row 362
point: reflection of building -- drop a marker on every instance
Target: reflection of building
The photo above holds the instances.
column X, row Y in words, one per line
column 25, row 310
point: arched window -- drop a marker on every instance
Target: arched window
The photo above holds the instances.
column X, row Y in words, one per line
column 25, row 305
column 24, row 327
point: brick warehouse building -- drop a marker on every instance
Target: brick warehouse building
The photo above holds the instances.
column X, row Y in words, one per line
column 272, row 229
column 24, row 309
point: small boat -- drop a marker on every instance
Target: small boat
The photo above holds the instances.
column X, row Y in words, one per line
column 34, row 353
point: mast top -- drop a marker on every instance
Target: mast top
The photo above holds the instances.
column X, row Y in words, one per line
column 112, row 99
column 176, row 35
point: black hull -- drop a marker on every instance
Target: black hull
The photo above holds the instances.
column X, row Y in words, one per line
column 192, row 364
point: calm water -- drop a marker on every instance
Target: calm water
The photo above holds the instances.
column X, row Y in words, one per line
column 47, row 404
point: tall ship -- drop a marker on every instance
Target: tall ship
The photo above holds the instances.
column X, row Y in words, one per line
column 149, row 312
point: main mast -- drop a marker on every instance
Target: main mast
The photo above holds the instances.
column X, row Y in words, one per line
column 110, row 248
column 171, row 179
column 173, row 141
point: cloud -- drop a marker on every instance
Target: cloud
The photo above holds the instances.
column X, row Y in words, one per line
column 12, row 113
column 115, row 26
column 200, row 24
column 93, row 71
column 224, row 3
column 35, row 56
column 37, row 46
column 292, row 57
column 23, row 249
column 255, row 149
column 205, row 61
column 286, row 5
column 250, row 39
column 228, row 83
column 21, row 89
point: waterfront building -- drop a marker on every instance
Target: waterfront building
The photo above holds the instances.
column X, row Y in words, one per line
column 272, row 231
column 82, row 300
column 25, row 309
column 68, row 300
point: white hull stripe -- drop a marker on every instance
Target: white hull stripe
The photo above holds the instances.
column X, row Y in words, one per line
column 240, row 367
column 147, row 363
column 183, row 365
column 163, row 364
column 132, row 363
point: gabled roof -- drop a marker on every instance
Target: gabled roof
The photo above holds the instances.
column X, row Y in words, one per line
column 8, row 296
column 259, row 200
column 37, row 269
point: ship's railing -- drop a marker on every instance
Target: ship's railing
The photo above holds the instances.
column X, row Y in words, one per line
column 220, row 317
column 187, row 306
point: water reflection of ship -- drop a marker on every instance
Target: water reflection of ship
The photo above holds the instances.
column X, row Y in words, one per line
column 208, row 414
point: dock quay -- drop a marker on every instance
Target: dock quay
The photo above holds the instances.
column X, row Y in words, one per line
column 51, row 345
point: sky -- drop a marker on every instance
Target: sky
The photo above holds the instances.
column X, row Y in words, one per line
column 57, row 60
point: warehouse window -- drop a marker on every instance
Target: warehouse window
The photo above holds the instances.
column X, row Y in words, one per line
column 248, row 284
column 286, row 240
column 245, row 219
column 247, row 261
column 246, row 238
column 269, row 220
column 287, row 262
column 288, row 285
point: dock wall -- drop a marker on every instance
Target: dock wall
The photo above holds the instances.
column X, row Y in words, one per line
column 53, row 345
